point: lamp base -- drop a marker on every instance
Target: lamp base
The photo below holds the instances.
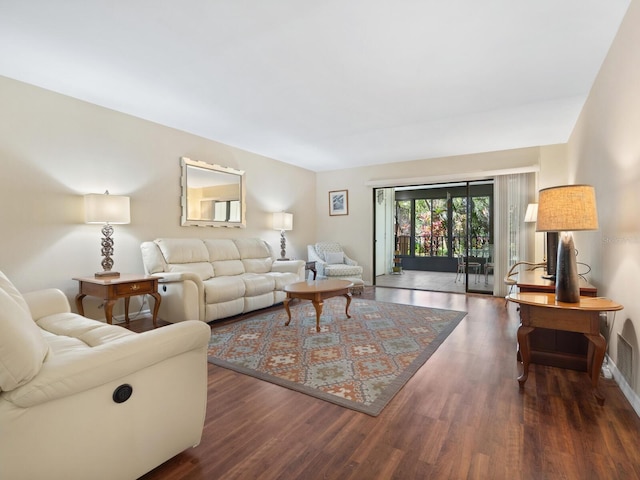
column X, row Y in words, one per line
column 107, row 274
column 567, row 283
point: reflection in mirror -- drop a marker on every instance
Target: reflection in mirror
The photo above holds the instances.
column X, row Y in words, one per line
column 212, row 195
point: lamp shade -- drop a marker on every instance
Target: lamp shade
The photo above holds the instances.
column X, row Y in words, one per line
column 105, row 208
column 567, row 208
column 282, row 221
column 531, row 215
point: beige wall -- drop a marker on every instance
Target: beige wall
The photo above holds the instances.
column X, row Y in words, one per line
column 604, row 150
column 355, row 231
column 54, row 149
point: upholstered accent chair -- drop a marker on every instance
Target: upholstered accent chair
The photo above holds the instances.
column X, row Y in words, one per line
column 333, row 262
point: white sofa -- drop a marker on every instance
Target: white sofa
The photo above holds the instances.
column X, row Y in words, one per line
column 212, row 279
column 59, row 372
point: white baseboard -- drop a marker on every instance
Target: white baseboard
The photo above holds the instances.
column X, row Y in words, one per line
column 627, row 391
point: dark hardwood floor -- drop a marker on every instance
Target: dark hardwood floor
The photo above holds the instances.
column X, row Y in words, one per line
column 460, row 417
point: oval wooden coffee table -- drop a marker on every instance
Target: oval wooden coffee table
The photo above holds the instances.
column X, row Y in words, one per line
column 317, row 291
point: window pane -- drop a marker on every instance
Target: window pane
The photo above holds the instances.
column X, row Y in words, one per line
column 403, row 226
column 423, row 228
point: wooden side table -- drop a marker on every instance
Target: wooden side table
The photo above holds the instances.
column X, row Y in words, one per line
column 541, row 310
column 555, row 348
column 110, row 289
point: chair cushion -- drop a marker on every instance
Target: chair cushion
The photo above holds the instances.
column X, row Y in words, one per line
column 22, row 346
column 334, row 258
column 343, row 271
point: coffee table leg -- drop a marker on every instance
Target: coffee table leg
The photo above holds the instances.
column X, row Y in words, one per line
column 318, row 306
column 346, row 310
column 286, row 307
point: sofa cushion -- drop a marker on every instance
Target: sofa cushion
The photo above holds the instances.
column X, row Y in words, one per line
column 256, row 284
column 228, row 268
column 222, row 249
column 257, row 265
column 252, row 248
column 282, row 279
column 22, row 347
column 152, row 258
column 223, row 289
column 183, row 250
column 204, row 270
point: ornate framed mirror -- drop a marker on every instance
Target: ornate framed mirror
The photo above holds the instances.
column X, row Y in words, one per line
column 212, row 196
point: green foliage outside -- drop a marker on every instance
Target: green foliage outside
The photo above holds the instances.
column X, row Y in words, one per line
column 432, row 234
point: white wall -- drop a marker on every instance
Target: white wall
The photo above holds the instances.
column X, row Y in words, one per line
column 54, row 149
column 604, row 150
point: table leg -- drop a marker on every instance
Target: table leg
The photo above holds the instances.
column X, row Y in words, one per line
column 126, row 310
column 594, row 363
column 156, row 308
column 286, row 307
column 317, row 304
column 523, row 343
column 346, row 310
column 108, row 310
column 79, row 305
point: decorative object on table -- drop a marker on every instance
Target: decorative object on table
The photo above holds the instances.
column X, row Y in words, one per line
column 107, row 209
column 283, row 221
column 339, row 202
column 358, row 363
column 566, row 209
column 550, row 243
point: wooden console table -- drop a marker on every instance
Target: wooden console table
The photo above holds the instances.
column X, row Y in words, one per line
column 110, row 289
column 555, row 348
column 540, row 310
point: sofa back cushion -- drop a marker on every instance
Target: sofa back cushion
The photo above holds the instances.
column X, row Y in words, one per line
column 22, row 346
column 183, row 250
column 256, row 255
column 152, row 258
column 186, row 255
column 225, row 257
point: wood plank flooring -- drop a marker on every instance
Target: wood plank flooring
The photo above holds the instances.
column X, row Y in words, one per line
column 460, row 417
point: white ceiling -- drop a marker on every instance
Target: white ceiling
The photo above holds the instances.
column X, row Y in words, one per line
column 324, row 84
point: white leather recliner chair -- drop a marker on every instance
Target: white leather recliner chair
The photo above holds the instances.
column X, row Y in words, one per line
column 81, row 399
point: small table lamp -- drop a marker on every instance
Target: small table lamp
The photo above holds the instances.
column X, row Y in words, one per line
column 107, row 209
column 283, row 221
column 565, row 209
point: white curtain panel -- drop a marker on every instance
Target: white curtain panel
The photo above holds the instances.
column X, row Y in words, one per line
column 513, row 193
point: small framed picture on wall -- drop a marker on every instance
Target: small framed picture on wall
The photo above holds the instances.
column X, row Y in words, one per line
column 339, row 202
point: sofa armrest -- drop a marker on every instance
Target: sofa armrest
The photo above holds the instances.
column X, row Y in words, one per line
column 63, row 375
column 46, row 302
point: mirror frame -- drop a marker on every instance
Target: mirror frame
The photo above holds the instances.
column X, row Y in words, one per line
column 217, row 172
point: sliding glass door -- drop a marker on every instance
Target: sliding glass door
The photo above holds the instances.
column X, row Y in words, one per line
column 446, row 228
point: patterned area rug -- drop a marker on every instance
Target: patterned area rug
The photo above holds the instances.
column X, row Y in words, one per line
column 359, row 363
